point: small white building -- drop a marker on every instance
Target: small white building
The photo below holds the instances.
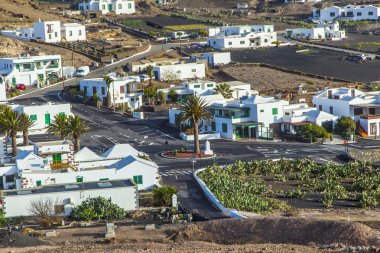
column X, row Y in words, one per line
column 108, row 6
column 179, row 71
column 213, row 58
column 3, row 90
column 30, row 70
column 347, row 13
column 140, row 65
column 363, row 108
column 123, row 90
column 296, row 115
column 42, row 114
column 122, row 192
column 49, row 32
column 320, row 32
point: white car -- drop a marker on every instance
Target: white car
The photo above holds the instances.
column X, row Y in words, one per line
column 82, row 71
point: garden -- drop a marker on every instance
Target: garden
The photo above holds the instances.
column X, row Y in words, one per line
column 265, row 186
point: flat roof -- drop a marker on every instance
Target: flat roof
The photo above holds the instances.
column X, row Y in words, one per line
column 70, row 187
column 49, row 143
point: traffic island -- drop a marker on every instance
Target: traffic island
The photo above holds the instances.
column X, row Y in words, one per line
column 185, row 154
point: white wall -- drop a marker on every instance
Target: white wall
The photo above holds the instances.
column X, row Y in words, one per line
column 180, row 71
column 41, row 31
column 73, row 32
column 19, row 205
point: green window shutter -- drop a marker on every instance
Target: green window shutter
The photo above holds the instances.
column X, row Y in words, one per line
column 129, row 6
column 38, row 183
column 224, row 127
column 262, row 110
column 47, row 119
column 138, row 179
column 33, row 117
column 104, row 179
column 18, row 66
column 210, row 85
column 274, row 111
column 213, row 126
column 61, row 114
column 79, row 179
column 197, row 86
column 14, row 80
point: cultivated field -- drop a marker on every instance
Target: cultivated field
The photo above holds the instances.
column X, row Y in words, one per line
column 359, row 41
column 317, row 61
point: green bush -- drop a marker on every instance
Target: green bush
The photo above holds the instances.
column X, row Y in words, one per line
column 314, row 132
column 163, row 195
column 183, row 150
column 345, row 127
column 74, row 91
column 98, row 208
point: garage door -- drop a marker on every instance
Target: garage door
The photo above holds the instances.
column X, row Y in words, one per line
column 24, row 79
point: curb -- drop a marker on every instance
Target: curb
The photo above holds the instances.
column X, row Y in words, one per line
column 172, row 158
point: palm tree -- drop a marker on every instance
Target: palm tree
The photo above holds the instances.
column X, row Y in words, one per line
column 26, row 123
column 149, row 71
column 59, row 126
column 75, row 128
column 11, row 123
column 224, row 89
column 194, row 112
column 108, row 80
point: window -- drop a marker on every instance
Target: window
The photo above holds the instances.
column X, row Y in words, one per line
column 197, row 86
column 193, row 70
column 332, row 14
column 178, row 71
column 70, row 33
column 224, row 127
column 370, row 13
column 93, row 90
column 33, row 117
column 104, row 179
column 129, row 5
column 213, row 126
column 242, row 42
column 265, row 40
column 230, row 43
column 38, row 183
column 119, row 6
column 103, row 7
column 331, row 110
column 122, row 89
column 49, row 36
column 103, row 91
column 80, row 32
column 85, row 88
column 220, row 112
column 27, row 66
column 358, row 14
column 210, row 85
column 358, row 111
column 320, row 107
column 274, row 111
column 138, row 179
column 262, row 110
column 214, row 42
column 57, row 159
column 47, row 119
column 56, row 34
column 372, row 111
column 61, row 114
column 17, row 66
column 79, row 179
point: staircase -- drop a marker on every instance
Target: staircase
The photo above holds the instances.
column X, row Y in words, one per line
column 360, row 130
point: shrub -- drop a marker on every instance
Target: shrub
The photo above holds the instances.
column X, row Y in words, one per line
column 173, row 96
column 163, row 195
column 314, row 132
column 345, row 127
column 74, row 91
column 98, row 208
column 183, row 150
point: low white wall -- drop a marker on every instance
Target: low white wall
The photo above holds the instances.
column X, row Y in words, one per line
column 214, row 200
column 212, row 136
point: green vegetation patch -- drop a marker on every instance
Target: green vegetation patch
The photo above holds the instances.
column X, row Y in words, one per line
column 259, row 185
column 134, row 23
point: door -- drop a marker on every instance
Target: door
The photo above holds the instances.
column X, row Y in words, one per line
column 57, row 159
column 110, row 7
column 47, row 119
column 253, row 132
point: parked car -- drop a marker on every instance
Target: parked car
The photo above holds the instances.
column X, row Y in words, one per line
column 355, row 58
column 82, row 71
column 21, row 86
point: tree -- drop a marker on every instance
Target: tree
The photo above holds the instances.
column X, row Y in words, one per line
column 45, row 211
column 314, row 131
column 345, row 126
column 163, row 195
column 173, row 96
column 150, row 93
column 75, row 128
column 59, row 126
column 194, row 112
column 161, row 97
column 224, row 89
column 11, row 123
column 26, row 123
column 149, row 71
column 98, row 208
column 108, row 80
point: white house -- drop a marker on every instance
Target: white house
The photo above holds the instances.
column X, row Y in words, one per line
column 122, row 90
column 347, row 13
column 364, row 108
column 140, row 65
column 296, row 115
column 42, row 114
column 320, row 32
column 242, row 36
column 54, row 162
column 122, row 192
column 107, row 6
column 179, row 71
column 49, row 32
column 213, row 58
column 30, row 70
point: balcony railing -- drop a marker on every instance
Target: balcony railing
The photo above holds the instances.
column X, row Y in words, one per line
column 231, row 116
column 370, row 116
